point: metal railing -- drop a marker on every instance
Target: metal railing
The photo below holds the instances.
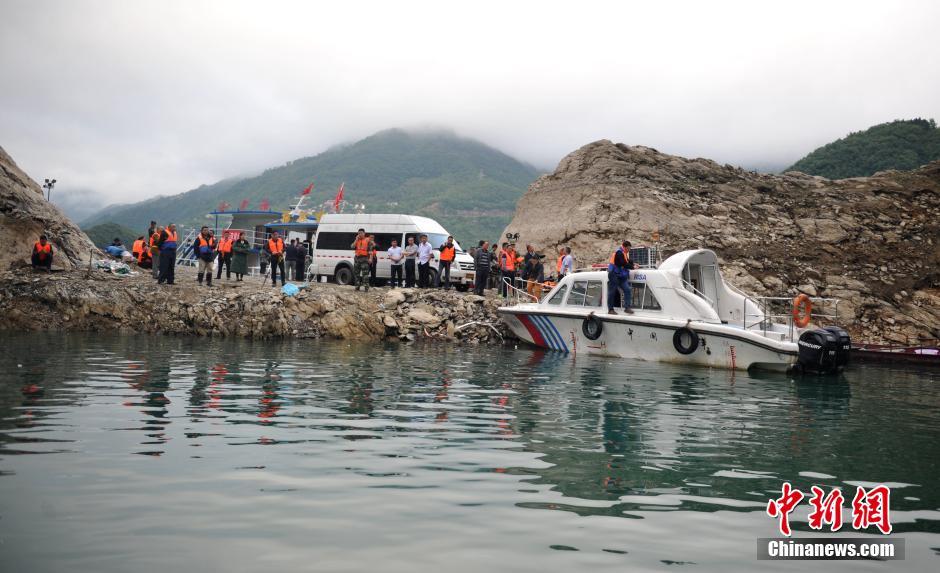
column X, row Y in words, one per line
column 517, row 295
column 768, row 307
column 690, row 287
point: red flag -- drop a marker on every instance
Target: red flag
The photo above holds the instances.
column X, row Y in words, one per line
column 243, row 205
column 339, row 196
column 223, row 206
column 308, row 189
column 264, row 206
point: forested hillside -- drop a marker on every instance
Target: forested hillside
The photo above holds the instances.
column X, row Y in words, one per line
column 901, row 144
column 467, row 186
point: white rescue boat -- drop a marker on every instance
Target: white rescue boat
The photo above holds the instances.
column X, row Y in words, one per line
column 682, row 312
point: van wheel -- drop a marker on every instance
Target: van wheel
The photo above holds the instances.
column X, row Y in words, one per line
column 343, row 275
column 432, row 278
column 685, row 340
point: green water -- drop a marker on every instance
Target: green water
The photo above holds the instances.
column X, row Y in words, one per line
column 177, row 454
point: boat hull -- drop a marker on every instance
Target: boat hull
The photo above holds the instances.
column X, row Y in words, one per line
column 641, row 338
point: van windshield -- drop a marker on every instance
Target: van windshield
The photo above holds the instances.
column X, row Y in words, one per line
column 436, row 240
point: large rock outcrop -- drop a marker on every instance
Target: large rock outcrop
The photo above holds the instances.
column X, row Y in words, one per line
column 25, row 214
column 873, row 242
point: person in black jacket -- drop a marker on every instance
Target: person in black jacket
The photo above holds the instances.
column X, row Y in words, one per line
column 290, row 258
column 618, row 280
column 300, row 273
column 482, row 261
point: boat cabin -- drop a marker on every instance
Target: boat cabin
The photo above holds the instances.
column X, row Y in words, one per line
column 687, row 285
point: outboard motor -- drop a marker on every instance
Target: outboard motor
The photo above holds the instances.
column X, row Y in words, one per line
column 819, row 351
column 845, row 346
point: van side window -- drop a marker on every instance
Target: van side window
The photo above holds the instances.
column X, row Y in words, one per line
column 578, row 290
column 384, row 240
column 595, row 290
column 559, row 295
column 335, row 240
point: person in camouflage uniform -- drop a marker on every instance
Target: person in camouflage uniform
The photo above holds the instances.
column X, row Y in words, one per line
column 363, row 246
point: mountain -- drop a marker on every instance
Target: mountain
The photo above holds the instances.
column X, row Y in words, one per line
column 25, row 214
column 468, row 187
column 104, row 233
column 901, row 144
column 870, row 242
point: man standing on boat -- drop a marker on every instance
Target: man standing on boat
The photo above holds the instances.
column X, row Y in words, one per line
column 618, row 279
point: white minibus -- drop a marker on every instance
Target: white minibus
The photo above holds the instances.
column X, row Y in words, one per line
column 333, row 256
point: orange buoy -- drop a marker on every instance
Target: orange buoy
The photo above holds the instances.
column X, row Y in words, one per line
column 802, row 310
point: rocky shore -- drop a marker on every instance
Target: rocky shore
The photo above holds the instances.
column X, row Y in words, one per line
column 97, row 301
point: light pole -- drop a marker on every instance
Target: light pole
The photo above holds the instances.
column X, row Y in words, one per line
column 49, row 184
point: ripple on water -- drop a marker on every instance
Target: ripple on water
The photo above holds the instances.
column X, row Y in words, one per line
column 359, row 456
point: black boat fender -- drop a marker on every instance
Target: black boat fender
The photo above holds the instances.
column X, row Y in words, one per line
column 592, row 327
column 685, row 340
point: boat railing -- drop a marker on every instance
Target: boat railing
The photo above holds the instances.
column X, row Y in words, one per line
column 779, row 310
column 690, row 287
column 517, row 295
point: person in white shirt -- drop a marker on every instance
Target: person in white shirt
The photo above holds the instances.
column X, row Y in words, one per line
column 567, row 263
column 425, row 256
column 395, row 257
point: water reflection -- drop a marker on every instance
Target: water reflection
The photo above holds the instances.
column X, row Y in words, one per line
column 487, row 430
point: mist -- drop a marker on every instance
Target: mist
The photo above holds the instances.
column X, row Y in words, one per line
column 121, row 101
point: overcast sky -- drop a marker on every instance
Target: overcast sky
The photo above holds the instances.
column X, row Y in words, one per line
column 131, row 99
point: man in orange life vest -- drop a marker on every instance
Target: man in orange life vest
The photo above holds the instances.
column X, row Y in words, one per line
column 167, row 244
column 363, row 248
column 507, row 268
column 618, row 279
column 138, row 247
column 448, row 253
column 204, row 249
column 42, row 254
column 155, row 250
column 275, row 247
column 225, row 257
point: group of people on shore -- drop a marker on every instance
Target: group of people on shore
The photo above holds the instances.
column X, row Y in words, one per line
column 410, row 264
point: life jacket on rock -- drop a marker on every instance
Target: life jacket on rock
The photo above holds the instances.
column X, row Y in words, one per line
column 362, row 247
column 276, row 246
column 448, row 253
